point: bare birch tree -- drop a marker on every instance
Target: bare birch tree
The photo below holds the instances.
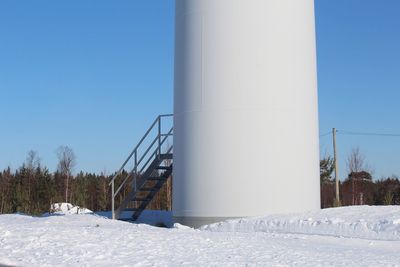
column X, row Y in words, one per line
column 66, row 163
column 356, row 162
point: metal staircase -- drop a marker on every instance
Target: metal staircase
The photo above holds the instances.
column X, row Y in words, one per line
column 152, row 166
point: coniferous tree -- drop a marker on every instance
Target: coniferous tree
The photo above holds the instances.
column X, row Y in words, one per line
column 326, row 167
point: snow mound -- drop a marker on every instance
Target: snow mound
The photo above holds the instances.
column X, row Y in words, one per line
column 66, row 209
column 182, row 227
column 366, row 222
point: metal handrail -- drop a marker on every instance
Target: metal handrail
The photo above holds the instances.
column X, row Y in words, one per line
column 144, row 155
column 134, row 151
column 157, row 150
column 161, row 138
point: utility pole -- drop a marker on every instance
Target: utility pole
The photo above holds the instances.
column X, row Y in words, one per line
column 336, row 165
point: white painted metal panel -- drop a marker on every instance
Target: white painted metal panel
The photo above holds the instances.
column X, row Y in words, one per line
column 245, row 109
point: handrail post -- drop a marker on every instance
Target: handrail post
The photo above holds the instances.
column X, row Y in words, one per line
column 135, row 175
column 112, row 200
column 135, row 160
column 159, row 136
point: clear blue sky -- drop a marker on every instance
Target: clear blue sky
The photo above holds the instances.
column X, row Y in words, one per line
column 93, row 74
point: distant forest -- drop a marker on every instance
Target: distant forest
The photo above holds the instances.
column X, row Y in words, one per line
column 359, row 187
column 32, row 188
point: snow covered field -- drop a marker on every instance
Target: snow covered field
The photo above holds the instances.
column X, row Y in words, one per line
column 353, row 236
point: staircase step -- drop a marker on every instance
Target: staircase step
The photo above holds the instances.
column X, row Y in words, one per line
column 163, row 167
column 131, row 209
column 150, row 189
column 166, row 156
column 156, row 178
column 142, row 199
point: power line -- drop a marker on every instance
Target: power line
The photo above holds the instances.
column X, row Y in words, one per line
column 325, row 134
column 344, row 132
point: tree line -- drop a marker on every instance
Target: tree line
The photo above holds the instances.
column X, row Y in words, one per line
column 359, row 187
column 32, row 188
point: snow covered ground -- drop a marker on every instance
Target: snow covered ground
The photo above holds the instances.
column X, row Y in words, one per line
column 353, row 236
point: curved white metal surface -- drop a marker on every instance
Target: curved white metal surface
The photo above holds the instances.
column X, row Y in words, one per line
column 245, row 109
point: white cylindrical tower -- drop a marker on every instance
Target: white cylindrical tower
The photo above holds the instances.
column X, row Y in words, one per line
column 245, row 109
